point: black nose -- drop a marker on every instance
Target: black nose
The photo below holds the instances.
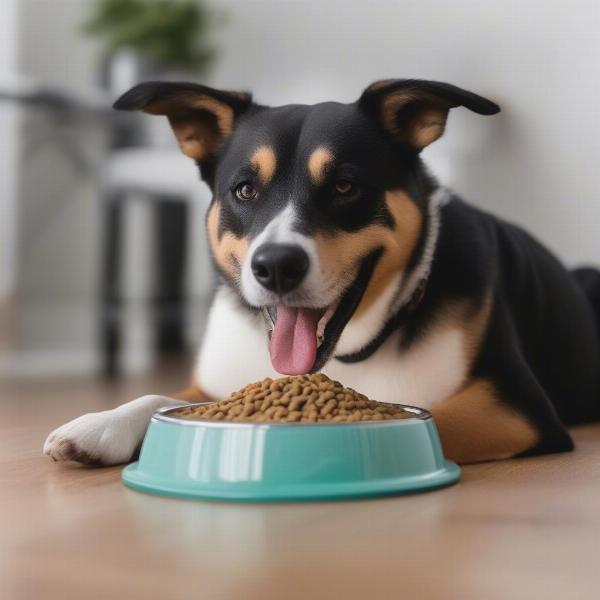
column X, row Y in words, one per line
column 279, row 267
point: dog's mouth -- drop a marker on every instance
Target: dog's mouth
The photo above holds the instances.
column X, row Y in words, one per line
column 303, row 339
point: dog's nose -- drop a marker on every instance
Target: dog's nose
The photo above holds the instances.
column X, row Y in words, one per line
column 279, row 267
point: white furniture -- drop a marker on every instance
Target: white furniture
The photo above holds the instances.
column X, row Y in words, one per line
column 152, row 171
column 168, row 185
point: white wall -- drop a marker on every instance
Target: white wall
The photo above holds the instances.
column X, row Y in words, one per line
column 536, row 163
column 53, row 319
column 60, row 161
column 9, row 121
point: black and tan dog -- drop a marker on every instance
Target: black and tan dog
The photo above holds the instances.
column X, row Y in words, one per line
column 338, row 252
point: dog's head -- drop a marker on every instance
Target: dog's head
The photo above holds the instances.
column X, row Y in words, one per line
column 315, row 208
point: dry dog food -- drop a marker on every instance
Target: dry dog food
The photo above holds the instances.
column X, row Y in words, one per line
column 299, row 399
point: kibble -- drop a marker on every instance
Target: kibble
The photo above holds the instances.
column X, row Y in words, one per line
column 300, row 399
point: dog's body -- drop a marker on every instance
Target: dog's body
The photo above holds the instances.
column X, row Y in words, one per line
column 325, row 222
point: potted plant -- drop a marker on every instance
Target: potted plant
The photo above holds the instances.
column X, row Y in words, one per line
column 144, row 39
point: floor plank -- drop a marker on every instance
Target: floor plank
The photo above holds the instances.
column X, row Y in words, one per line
column 517, row 529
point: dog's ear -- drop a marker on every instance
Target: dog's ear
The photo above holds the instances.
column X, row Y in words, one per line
column 414, row 111
column 201, row 117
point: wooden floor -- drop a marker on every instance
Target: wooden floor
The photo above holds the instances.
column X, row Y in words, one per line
column 511, row 530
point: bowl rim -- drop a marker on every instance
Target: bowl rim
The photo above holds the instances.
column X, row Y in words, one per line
column 420, row 414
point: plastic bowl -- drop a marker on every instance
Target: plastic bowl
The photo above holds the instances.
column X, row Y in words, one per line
column 289, row 461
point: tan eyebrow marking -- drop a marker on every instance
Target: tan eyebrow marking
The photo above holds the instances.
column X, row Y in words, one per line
column 264, row 161
column 317, row 163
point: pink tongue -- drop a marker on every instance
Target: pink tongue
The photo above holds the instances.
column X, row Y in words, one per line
column 293, row 344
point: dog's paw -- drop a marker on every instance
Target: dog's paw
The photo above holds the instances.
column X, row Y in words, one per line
column 101, row 438
column 110, row 437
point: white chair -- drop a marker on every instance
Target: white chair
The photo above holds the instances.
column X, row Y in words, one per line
column 168, row 183
column 154, row 172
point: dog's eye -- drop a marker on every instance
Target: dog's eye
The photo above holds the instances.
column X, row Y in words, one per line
column 343, row 187
column 246, row 191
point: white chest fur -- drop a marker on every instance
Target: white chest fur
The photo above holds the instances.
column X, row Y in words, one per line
column 235, row 352
column 430, row 371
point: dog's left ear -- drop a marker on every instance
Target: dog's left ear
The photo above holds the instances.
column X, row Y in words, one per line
column 414, row 111
column 202, row 118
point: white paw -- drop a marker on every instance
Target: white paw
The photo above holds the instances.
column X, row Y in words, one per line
column 110, row 437
column 95, row 438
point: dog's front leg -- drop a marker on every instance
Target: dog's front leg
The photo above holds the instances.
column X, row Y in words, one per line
column 475, row 425
column 111, row 437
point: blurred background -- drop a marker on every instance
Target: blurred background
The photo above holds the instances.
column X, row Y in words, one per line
column 103, row 261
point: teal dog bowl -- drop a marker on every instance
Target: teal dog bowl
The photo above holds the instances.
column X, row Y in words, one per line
column 289, row 461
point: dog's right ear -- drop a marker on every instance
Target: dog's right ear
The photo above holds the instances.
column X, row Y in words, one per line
column 414, row 111
column 202, row 118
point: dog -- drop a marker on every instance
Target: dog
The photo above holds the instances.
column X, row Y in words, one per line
column 338, row 252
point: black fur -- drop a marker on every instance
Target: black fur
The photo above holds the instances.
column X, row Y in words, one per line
column 540, row 349
column 445, row 92
column 541, row 345
column 144, row 94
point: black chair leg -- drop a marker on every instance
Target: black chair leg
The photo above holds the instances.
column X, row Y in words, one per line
column 169, row 303
column 110, row 317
